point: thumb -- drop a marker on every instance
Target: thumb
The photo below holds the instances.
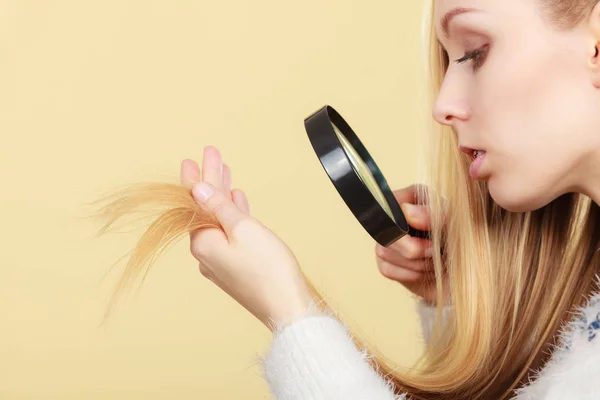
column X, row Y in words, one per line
column 222, row 207
column 417, row 216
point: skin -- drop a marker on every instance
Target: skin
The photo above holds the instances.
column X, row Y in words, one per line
column 531, row 101
column 245, row 259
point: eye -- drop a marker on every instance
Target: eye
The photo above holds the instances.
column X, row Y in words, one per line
column 478, row 56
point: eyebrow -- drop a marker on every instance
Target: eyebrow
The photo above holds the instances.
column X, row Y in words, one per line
column 451, row 14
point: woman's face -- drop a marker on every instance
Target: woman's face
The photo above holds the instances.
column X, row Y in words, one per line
column 529, row 97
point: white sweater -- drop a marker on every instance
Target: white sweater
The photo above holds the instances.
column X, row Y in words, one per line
column 314, row 358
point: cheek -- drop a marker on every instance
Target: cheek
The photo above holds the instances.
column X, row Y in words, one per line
column 527, row 121
column 510, row 100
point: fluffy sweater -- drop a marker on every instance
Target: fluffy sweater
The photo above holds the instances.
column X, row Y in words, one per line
column 315, row 358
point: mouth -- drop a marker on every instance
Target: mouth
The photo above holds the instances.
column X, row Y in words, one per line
column 473, row 153
column 478, row 157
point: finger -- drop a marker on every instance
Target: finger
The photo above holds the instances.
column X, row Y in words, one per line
column 190, row 173
column 413, row 265
column 415, row 193
column 240, row 200
column 410, row 248
column 395, row 258
column 416, row 216
column 212, row 167
column 409, row 194
column 223, row 208
column 226, row 180
column 396, row 273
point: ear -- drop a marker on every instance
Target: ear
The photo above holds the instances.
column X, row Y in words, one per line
column 594, row 51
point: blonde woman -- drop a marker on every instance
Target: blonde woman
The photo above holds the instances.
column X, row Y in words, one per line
column 517, row 167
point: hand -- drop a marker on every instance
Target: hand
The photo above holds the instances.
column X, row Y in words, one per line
column 245, row 259
column 409, row 260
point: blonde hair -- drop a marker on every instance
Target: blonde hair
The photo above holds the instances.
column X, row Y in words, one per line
column 513, row 278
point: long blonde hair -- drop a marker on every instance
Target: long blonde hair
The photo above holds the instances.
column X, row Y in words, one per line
column 513, row 278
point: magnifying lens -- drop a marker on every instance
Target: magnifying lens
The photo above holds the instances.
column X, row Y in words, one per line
column 357, row 177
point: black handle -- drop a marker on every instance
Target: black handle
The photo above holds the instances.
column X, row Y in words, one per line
column 418, row 233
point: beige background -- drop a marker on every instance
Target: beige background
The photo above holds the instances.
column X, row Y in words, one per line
column 97, row 94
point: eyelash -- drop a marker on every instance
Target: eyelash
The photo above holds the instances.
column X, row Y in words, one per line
column 478, row 57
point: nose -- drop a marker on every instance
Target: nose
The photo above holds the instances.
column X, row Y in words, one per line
column 450, row 106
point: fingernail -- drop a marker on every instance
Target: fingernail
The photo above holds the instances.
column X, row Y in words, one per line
column 202, row 191
column 429, row 252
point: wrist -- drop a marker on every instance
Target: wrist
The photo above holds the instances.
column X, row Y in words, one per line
column 294, row 308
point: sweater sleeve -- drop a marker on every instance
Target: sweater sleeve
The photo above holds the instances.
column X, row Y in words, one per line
column 427, row 313
column 315, row 358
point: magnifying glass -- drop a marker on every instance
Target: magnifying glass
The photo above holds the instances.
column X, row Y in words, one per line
column 357, row 177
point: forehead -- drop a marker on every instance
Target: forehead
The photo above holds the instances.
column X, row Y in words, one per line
column 443, row 6
column 507, row 10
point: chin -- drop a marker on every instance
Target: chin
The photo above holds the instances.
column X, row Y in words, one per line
column 516, row 195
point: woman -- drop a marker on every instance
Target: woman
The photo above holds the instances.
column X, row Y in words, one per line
column 518, row 92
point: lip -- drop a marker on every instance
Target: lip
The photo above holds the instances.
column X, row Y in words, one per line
column 474, row 169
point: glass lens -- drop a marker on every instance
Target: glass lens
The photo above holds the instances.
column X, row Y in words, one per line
column 363, row 171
